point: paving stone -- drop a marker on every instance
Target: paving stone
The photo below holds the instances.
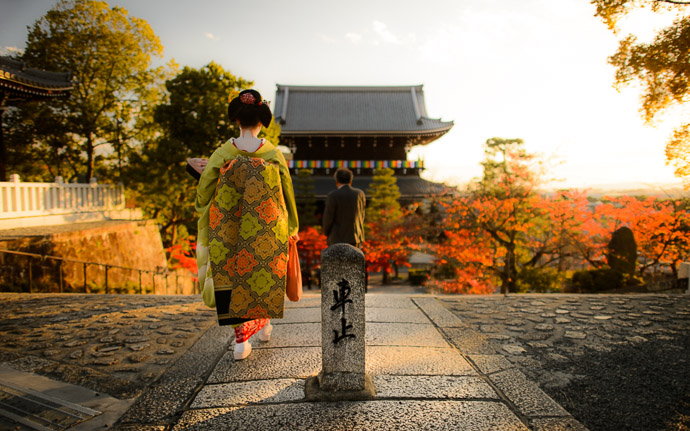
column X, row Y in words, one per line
column 263, row 364
column 389, row 301
column 356, row 416
column 308, row 300
column 438, row 313
column 537, row 345
column 382, row 360
column 432, row 387
column 395, row 315
column 105, row 361
column 403, row 334
column 489, row 364
column 299, row 315
column 257, row 391
column 544, row 327
column 138, row 357
column 293, row 335
column 575, row 335
column 513, row 349
column 557, row 424
column 527, row 397
column 139, row 347
column 469, row 341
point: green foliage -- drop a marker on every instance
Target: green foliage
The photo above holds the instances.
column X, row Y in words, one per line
column 541, row 280
column 622, row 256
column 193, row 123
column 384, row 193
column 306, row 198
column 598, row 280
column 506, row 169
column 109, row 54
column 194, row 118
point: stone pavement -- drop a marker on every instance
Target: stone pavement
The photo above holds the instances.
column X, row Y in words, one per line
column 171, row 367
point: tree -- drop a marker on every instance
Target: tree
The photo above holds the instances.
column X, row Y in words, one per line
column 502, row 202
column 390, row 239
column 306, row 198
column 384, row 193
column 109, row 54
column 309, row 247
column 660, row 66
column 661, row 229
column 382, row 248
column 193, row 123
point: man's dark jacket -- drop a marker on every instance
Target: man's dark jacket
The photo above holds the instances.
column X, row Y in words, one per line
column 343, row 218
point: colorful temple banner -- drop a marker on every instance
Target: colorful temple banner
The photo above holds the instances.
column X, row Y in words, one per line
column 354, row 164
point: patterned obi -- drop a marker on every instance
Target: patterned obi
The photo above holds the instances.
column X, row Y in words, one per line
column 248, row 241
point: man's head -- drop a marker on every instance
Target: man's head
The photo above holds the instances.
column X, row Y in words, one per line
column 343, row 176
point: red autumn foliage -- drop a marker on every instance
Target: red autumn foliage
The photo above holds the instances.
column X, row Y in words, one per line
column 311, row 243
column 182, row 255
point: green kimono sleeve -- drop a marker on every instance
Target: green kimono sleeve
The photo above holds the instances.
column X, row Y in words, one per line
column 288, row 194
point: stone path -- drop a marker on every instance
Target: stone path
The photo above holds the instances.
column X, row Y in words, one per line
column 422, row 381
column 117, row 344
column 566, row 327
column 446, row 362
column 613, row 361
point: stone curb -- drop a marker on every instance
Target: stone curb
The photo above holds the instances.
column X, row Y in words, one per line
column 156, row 407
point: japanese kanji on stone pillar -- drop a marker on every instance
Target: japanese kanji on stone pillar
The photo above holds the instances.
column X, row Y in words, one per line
column 343, row 331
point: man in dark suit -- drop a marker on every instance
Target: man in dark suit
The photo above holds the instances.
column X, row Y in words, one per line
column 343, row 218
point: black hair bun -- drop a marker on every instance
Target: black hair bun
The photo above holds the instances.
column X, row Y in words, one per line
column 250, row 109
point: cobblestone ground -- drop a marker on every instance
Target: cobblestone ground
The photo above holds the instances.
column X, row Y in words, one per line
column 614, row 362
column 115, row 344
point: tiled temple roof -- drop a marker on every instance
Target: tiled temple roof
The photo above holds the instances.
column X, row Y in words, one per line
column 315, row 110
column 20, row 82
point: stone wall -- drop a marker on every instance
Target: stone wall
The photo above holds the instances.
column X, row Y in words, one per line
column 132, row 244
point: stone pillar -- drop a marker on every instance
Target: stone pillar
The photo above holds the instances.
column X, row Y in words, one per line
column 343, row 332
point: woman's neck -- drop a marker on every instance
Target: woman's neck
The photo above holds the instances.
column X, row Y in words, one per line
column 248, row 140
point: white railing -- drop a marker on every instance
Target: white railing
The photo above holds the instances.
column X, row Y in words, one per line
column 18, row 199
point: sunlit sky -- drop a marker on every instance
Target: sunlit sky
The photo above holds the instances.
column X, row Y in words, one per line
column 530, row 69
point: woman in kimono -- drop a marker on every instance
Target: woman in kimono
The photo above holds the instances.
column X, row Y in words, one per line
column 218, row 278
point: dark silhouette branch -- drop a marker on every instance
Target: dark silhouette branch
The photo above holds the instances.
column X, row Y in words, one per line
column 680, row 2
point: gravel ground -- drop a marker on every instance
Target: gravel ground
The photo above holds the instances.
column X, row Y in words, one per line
column 614, row 362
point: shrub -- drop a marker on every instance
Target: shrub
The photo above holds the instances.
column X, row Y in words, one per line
column 418, row 277
column 598, row 280
column 541, row 280
column 622, row 256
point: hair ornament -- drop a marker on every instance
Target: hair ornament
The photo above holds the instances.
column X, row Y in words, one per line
column 248, row 98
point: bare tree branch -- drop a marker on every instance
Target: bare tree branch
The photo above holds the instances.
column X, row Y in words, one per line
column 680, row 2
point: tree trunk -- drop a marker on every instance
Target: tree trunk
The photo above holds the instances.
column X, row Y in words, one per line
column 3, row 153
column 509, row 282
column 89, row 158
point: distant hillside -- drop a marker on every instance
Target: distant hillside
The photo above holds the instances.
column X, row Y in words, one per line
column 675, row 190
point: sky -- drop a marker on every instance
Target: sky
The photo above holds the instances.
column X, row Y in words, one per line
column 530, row 69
